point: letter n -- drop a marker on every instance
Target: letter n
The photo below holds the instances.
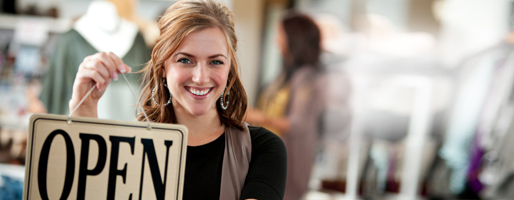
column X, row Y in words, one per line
column 158, row 182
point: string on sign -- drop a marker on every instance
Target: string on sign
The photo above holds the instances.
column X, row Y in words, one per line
column 94, row 87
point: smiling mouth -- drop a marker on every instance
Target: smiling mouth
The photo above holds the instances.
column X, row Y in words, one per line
column 198, row 92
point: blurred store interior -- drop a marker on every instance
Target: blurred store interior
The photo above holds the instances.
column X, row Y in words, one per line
column 429, row 85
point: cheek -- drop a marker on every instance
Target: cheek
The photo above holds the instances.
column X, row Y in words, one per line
column 222, row 78
column 175, row 77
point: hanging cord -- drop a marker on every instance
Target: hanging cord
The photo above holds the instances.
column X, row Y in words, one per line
column 133, row 94
column 138, row 104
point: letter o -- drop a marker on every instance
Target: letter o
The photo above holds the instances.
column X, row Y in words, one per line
column 43, row 165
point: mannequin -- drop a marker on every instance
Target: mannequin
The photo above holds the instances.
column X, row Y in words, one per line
column 100, row 29
column 149, row 29
column 105, row 30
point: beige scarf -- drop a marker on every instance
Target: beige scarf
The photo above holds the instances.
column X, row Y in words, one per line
column 236, row 161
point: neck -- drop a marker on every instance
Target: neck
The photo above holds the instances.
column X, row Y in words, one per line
column 103, row 15
column 201, row 129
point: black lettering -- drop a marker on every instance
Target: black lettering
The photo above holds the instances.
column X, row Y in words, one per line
column 43, row 165
column 84, row 159
column 159, row 185
column 113, row 164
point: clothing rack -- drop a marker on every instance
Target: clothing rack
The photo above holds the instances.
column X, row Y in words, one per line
column 419, row 128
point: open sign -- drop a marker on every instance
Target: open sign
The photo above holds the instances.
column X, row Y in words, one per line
column 103, row 159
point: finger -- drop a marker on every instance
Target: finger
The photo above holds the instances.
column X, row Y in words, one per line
column 108, row 63
column 100, row 81
column 96, row 77
column 120, row 66
column 127, row 68
column 100, row 68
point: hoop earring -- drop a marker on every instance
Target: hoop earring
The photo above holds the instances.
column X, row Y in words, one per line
column 224, row 107
column 153, row 93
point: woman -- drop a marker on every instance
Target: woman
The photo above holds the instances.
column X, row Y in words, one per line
column 192, row 79
column 293, row 104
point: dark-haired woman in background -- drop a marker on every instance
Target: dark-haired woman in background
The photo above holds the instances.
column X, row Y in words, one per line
column 293, row 104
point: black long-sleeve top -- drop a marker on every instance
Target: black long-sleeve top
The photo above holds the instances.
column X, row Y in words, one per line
column 266, row 178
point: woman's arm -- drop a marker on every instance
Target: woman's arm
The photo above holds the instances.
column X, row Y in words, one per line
column 258, row 118
column 266, row 178
column 96, row 70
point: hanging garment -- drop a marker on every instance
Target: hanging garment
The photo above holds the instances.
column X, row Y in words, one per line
column 495, row 136
column 465, row 116
column 501, row 88
column 70, row 50
column 501, row 172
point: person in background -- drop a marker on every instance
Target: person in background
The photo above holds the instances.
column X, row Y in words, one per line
column 192, row 79
column 292, row 106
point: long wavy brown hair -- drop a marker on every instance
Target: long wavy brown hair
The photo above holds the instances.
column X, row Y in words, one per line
column 180, row 19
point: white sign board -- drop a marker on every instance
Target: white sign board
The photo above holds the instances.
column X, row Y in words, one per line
column 103, row 159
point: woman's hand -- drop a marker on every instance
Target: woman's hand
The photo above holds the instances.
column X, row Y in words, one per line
column 97, row 69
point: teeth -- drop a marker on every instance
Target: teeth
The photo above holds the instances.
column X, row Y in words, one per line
column 199, row 92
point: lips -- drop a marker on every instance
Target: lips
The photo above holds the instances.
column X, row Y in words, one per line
column 197, row 91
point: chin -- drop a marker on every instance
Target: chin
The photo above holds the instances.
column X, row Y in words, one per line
column 198, row 111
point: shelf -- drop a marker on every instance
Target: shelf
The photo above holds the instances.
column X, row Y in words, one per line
column 59, row 25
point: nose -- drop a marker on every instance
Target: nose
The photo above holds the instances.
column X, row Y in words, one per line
column 200, row 74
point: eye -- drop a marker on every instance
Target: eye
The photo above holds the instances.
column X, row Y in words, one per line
column 216, row 62
column 184, row 61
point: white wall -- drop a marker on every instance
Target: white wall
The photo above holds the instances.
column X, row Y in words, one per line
column 249, row 19
column 339, row 8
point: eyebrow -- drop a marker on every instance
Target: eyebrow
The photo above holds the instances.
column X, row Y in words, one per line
column 190, row 55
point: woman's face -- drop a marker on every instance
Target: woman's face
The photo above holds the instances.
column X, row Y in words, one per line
column 197, row 72
column 282, row 40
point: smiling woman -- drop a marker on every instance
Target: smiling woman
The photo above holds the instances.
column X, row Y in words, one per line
column 198, row 76
column 192, row 79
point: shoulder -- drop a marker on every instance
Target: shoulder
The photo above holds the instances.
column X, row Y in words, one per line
column 71, row 34
column 265, row 140
column 65, row 38
column 306, row 75
column 304, row 71
column 263, row 135
column 71, row 43
column 266, row 178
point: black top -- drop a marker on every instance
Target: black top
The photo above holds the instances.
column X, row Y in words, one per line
column 266, row 178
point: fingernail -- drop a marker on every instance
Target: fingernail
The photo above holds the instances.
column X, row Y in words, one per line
column 115, row 76
column 121, row 68
column 99, row 87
